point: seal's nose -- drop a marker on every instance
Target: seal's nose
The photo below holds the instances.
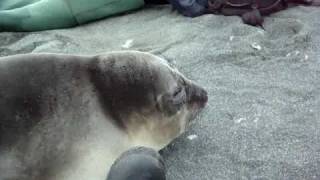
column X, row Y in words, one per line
column 198, row 95
column 201, row 97
column 204, row 97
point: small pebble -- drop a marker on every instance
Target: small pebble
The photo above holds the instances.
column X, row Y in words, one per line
column 289, row 54
column 240, row 120
column 192, row 137
column 256, row 46
column 127, row 44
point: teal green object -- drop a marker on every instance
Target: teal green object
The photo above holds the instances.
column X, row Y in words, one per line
column 36, row 15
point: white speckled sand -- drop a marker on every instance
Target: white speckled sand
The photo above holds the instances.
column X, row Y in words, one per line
column 263, row 117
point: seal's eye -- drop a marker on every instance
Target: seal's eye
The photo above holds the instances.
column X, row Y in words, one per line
column 177, row 91
column 179, row 96
column 172, row 102
column 183, row 82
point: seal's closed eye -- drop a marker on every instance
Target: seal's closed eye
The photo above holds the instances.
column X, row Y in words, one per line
column 179, row 96
column 177, row 91
column 172, row 102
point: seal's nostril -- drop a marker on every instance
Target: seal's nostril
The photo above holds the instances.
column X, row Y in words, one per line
column 198, row 95
column 204, row 97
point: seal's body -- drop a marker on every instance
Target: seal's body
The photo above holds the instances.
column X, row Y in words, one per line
column 69, row 117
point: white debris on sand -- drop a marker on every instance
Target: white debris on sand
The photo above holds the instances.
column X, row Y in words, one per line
column 192, row 137
column 128, row 44
column 240, row 120
column 256, row 119
column 256, row 46
column 289, row 54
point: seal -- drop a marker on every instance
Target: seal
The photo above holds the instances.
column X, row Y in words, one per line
column 139, row 163
column 66, row 117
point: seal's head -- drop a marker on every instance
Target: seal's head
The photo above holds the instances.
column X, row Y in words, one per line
column 147, row 98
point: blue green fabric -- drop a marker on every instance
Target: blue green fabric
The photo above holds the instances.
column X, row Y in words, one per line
column 35, row 15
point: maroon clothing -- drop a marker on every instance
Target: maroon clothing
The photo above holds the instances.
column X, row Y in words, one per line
column 252, row 11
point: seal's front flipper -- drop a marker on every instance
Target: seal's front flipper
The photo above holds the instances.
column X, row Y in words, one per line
column 253, row 18
column 139, row 163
